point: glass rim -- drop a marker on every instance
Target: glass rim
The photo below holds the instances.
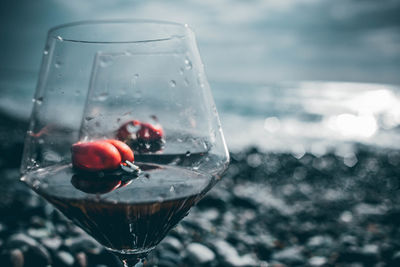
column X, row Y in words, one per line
column 56, row 31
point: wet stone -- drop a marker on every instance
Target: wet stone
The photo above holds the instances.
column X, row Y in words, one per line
column 317, row 261
column 12, row 258
column 168, row 256
column 37, row 222
column 291, row 256
column 38, row 233
column 214, row 200
column 199, row 254
column 172, row 243
column 52, row 243
column 319, row 241
column 21, row 240
column 229, row 255
column 38, row 256
column 395, row 260
column 82, row 243
column 371, row 251
column 348, row 240
column 63, row 258
column 81, row 259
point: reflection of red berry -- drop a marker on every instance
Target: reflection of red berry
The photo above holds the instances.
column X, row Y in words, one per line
column 128, row 129
column 95, row 186
column 100, row 155
column 149, row 132
column 141, row 131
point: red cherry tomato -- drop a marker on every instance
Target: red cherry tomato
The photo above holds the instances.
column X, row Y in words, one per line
column 124, row 150
column 100, row 155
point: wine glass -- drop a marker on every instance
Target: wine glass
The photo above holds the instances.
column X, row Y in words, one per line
column 108, row 89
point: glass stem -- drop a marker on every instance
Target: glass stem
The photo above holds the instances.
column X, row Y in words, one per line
column 131, row 260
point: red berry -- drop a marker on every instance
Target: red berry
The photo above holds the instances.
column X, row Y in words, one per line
column 124, row 150
column 100, row 155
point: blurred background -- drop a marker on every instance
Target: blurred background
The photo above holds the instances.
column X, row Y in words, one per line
column 242, row 43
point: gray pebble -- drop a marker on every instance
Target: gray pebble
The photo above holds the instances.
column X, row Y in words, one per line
column 65, row 258
column 18, row 240
column 199, row 254
column 317, row 261
column 290, row 256
column 320, row 241
column 52, row 243
column 81, row 259
column 38, row 256
column 168, row 256
column 38, row 233
column 172, row 243
column 230, row 256
column 396, row 259
column 82, row 243
column 12, row 258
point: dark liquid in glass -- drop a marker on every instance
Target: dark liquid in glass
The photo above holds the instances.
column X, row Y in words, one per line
column 131, row 218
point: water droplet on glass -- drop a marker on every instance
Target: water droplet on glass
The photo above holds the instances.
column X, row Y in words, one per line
column 195, row 168
column 58, row 64
column 179, row 140
column 188, row 64
column 181, row 71
column 38, row 100
column 154, row 118
column 36, row 184
column 172, row 189
column 186, row 82
column 172, row 83
column 89, row 118
column 103, row 96
column 205, row 145
column 132, row 128
column 188, row 153
column 147, row 175
column 59, row 38
column 200, row 80
column 45, row 52
column 105, row 61
column 137, row 95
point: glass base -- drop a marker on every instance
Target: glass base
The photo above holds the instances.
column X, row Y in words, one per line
column 131, row 257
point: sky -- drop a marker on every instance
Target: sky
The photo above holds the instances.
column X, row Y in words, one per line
column 247, row 41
